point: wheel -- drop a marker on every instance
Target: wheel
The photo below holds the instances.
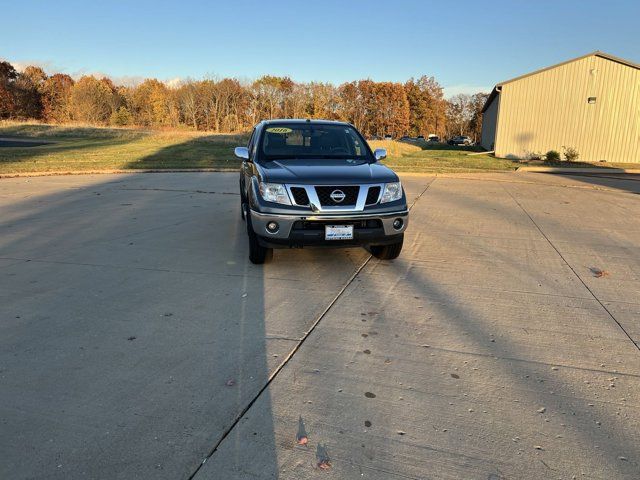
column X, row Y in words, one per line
column 257, row 253
column 387, row 252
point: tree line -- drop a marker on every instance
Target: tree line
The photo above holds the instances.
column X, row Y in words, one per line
column 416, row 107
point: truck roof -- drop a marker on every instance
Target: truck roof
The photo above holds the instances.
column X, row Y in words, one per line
column 304, row 120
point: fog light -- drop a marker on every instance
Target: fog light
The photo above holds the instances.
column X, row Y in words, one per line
column 397, row 223
column 272, row 227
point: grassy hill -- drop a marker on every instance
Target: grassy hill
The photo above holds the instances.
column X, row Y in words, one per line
column 84, row 148
column 90, row 148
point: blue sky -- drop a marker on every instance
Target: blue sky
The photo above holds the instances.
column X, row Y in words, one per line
column 466, row 45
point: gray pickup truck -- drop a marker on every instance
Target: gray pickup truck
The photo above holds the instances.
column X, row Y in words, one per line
column 317, row 183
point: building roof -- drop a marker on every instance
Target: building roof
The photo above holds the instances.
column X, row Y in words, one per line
column 597, row 53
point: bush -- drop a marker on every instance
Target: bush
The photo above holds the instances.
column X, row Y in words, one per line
column 121, row 117
column 529, row 155
column 570, row 154
column 552, row 156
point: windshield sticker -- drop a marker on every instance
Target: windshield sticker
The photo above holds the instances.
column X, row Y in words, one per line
column 282, row 130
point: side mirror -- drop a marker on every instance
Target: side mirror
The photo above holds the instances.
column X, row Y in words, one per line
column 242, row 153
column 380, row 154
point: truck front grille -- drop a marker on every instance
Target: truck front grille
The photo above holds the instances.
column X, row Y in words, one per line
column 320, row 224
column 372, row 195
column 350, row 198
column 300, row 196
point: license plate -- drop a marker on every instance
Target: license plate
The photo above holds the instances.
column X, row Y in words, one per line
column 338, row 232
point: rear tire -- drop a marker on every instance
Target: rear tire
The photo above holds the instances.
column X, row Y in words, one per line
column 387, row 252
column 258, row 254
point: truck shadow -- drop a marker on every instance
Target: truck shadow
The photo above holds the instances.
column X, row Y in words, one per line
column 209, row 151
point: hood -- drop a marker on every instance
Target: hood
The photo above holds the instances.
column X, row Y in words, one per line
column 326, row 172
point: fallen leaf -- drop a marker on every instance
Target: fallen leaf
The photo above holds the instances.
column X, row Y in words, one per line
column 324, row 462
column 301, row 436
column 598, row 273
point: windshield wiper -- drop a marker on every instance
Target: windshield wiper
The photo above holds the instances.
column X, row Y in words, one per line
column 312, row 157
column 281, row 157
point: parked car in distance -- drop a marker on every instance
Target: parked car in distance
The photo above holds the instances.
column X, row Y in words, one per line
column 317, row 183
column 388, row 137
column 420, row 137
column 433, row 139
column 460, row 140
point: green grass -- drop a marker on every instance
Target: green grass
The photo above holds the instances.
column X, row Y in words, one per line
column 82, row 148
column 88, row 148
column 440, row 158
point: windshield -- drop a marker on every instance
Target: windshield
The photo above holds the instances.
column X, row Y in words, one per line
column 309, row 140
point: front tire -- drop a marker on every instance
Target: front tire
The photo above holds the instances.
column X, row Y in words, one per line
column 387, row 252
column 258, row 254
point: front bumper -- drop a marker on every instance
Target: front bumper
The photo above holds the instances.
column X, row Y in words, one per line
column 301, row 230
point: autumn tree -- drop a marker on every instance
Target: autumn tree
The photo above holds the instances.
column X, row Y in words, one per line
column 30, row 83
column 324, row 101
column 233, row 101
column 8, row 76
column 459, row 114
column 270, row 95
column 391, row 109
column 91, row 100
column 416, row 107
column 427, row 107
column 148, row 104
column 56, row 93
column 351, row 105
column 475, row 124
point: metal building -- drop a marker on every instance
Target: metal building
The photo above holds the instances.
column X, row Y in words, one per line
column 590, row 103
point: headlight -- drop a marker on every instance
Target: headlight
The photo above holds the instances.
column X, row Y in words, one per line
column 274, row 192
column 391, row 192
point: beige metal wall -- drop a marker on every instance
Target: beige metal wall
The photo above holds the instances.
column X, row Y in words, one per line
column 549, row 110
column 489, row 119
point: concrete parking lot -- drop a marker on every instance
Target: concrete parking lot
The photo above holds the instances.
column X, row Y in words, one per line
column 137, row 341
